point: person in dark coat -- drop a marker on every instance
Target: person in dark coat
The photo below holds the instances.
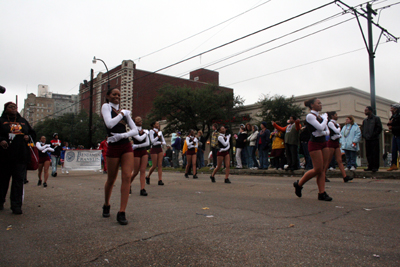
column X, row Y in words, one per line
column 371, row 130
column 14, row 155
column 263, row 144
column 394, row 126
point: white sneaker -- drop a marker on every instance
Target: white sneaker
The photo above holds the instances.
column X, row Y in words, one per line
column 279, row 169
column 352, row 168
column 212, row 168
column 62, row 170
column 331, row 169
column 67, row 171
column 255, row 168
column 346, row 169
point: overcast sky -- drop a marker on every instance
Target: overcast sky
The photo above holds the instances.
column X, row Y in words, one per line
column 53, row 43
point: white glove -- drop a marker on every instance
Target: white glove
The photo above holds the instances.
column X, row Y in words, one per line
column 159, row 133
column 326, row 133
column 163, row 143
column 115, row 138
column 228, row 136
column 324, row 116
column 126, row 113
column 134, row 147
column 315, row 133
column 146, row 131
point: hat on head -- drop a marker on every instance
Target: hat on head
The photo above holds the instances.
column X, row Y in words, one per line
column 54, row 135
column 264, row 123
column 242, row 125
column 8, row 103
column 396, row 106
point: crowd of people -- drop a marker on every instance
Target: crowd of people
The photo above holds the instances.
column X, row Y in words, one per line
column 128, row 147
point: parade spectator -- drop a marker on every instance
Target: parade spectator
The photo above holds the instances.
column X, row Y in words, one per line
column 372, row 128
column 349, row 143
column 214, row 144
column 394, row 126
column 176, row 148
column 252, row 140
column 62, row 156
column 14, row 155
column 200, row 149
column 248, row 160
column 263, row 145
column 304, row 138
column 103, row 147
column 55, row 155
column 278, row 148
column 291, row 141
column 240, row 145
column 167, row 157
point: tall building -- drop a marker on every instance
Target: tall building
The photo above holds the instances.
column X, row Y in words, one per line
column 48, row 105
column 138, row 87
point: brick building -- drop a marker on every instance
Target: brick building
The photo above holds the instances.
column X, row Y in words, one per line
column 138, row 87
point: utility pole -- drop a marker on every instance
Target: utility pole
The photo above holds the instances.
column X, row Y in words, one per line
column 370, row 45
column 90, row 108
column 371, row 54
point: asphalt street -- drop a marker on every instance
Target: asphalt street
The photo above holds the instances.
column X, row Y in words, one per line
column 255, row 221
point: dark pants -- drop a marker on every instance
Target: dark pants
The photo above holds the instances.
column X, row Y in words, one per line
column 395, row 149
column 292, row 157
column 372, row 150
column 18, row 173
column 214, row 153
column 253, row 156
column 307, row 157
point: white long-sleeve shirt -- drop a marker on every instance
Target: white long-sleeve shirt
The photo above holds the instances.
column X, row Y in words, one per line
column 191, row 143
column 226, row 144
column 110, row 122
column 332, row 127
column 159, row 139
column 43, row 147
column 321, row 129
column 140, row 138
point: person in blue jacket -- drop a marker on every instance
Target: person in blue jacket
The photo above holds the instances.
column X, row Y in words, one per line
column 263, row 145
column 351, row 137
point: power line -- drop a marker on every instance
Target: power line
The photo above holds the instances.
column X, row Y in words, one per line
column 187, row 38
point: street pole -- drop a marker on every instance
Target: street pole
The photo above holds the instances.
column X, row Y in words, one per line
column 90, row 108
column 371, row 53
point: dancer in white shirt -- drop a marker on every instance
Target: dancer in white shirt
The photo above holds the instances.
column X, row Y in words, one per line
column 44, row 160
column 334, row 145
column 223, row 154
column 317, row 146
column 157, row 140
column 140, row 144
column 119, row 151
column 191, row 156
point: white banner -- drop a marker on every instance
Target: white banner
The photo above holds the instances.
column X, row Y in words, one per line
column 82, row 160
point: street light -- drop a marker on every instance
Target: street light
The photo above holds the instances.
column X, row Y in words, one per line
column 94, row 62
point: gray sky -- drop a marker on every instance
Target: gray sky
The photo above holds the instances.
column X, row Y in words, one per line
column 53, row 43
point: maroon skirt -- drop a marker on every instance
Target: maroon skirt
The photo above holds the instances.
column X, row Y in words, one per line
column 44, row 159
column 156, row 150
column 117, row 151
column 139, row 153
column 191, row 152
column 333, row 144
column 222, row 154
column 313, row 146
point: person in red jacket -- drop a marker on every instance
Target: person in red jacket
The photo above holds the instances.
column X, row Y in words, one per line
column 103, row 147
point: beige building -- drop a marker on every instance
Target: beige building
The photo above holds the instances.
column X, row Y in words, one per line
column 38, row 108
column 346, row 101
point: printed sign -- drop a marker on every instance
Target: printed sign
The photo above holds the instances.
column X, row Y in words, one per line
column 82, row 160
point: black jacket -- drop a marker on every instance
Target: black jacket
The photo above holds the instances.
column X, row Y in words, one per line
column 265, row 140
column 13, row 131
column 240, row 143
column 372, row 128
column 395, row 123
